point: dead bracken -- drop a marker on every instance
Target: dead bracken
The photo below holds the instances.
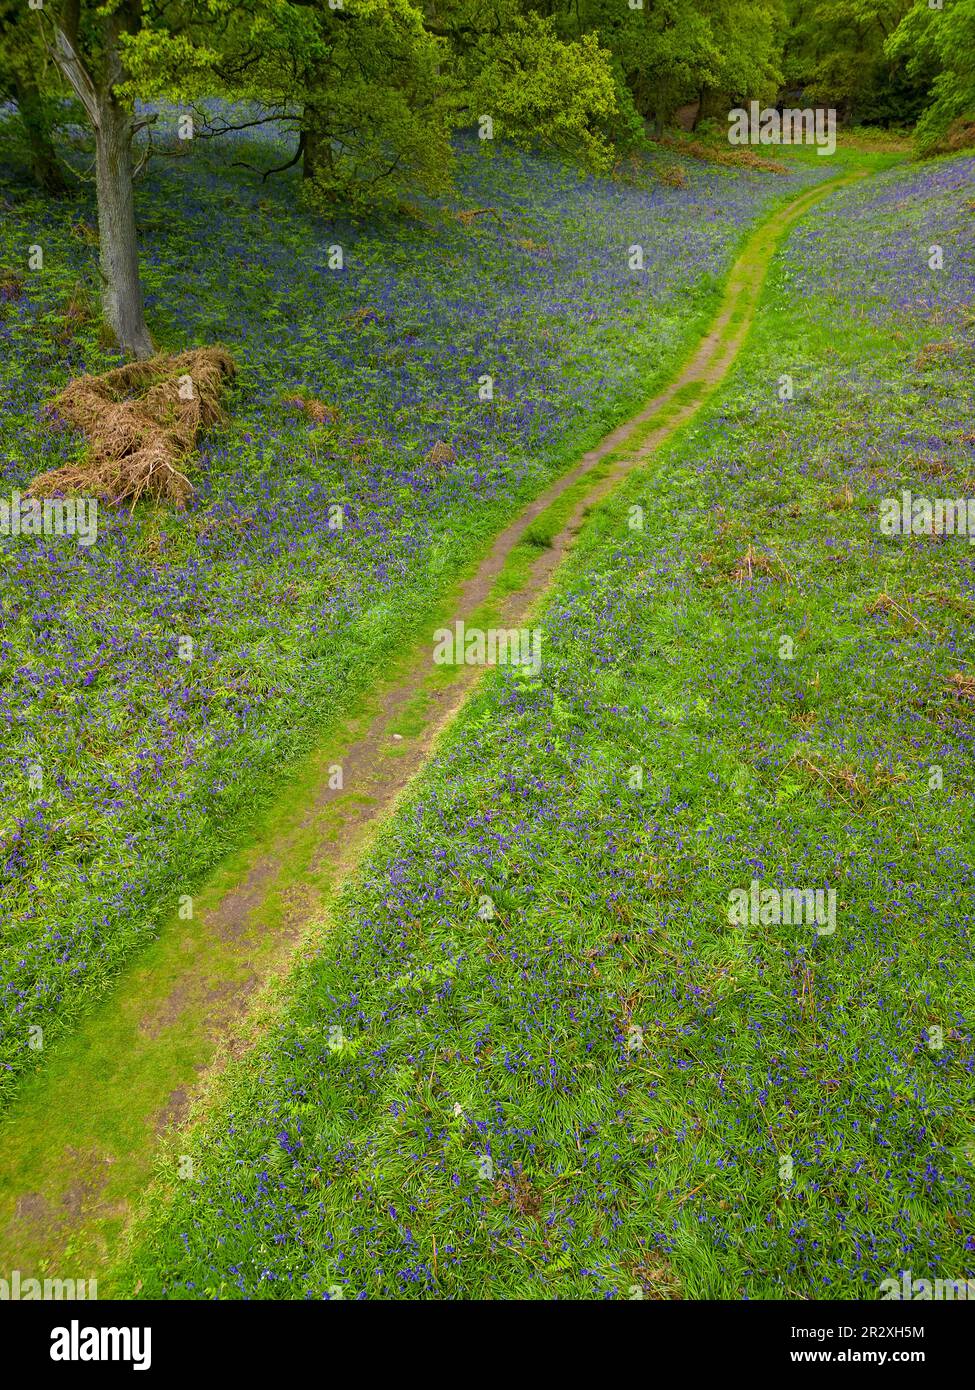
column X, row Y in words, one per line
column 933, row 352
column 714, row 154
column 673, row 176
column 318, row 412
column 142, row 421
column 751, row 563
column 961, row 688
column 363, row 315
column 515, row 1188
column 467, row 215
column 11, row 283
column 883, row 603
column 656, row 1279
column 847, row 783
column 440, row 455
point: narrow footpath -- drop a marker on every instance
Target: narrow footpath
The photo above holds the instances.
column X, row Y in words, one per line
column 81, row 1141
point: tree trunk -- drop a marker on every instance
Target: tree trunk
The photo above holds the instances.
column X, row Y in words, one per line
column 48, row 173
column 122, row 304
column 309, row 153
column 699, row 112
column 313, row 146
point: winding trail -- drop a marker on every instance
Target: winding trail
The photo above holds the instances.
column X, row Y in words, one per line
column 83, row 1137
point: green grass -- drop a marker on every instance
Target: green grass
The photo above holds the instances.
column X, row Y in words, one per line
column 150, row 1040
column 796, row 1120
column 154, row 768
column 785, row 1126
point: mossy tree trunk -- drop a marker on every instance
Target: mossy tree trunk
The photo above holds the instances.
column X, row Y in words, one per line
column 122, row 303
column 113, row 123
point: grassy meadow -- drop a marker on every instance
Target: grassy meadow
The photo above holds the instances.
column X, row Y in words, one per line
column 538, row 1054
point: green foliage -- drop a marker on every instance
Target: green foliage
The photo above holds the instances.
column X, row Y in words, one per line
column 372, row 89
column 671, row 53
column 836, row 54
column 667, row 50
column 374, row 92
column 21, row 59
column 540, row 90
column 942, row 41
column 375, row 120
column 18, row 38
column 750, row 39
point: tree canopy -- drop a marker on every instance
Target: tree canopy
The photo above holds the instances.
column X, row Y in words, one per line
column 373, row 91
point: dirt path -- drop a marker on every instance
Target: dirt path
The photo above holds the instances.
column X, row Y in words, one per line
column 80, row 1142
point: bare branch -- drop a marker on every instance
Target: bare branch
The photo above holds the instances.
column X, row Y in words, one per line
column 76, row 73
column 279, row 168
